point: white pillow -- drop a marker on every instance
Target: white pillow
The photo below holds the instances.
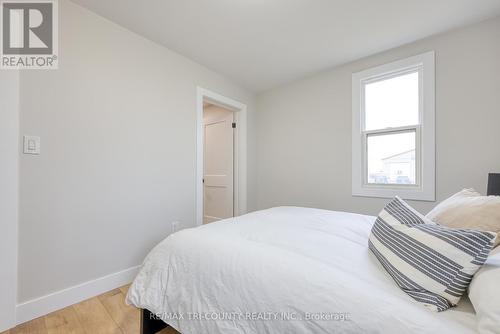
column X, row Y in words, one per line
column 433, row 264
column 484, row 293
column 469, row 210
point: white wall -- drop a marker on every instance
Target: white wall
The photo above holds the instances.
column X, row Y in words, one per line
column 117, row 123
column 9, row 130
column 304, row 128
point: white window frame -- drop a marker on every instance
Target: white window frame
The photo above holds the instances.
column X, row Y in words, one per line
column 425, row 188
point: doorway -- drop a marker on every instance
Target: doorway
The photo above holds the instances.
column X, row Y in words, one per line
column 218, row 163
column 221, row 157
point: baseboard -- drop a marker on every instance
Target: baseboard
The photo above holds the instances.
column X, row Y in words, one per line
column 58, row 300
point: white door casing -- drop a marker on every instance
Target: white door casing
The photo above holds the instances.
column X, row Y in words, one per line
column 9, row 193
column 240, row 150
column 218, row 164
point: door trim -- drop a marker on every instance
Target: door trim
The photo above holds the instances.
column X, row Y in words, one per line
column 240, row 150
column 9, row 197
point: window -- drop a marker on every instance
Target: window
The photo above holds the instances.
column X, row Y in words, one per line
column 393, row 130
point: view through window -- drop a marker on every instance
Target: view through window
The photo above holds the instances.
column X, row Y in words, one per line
column 391, row 112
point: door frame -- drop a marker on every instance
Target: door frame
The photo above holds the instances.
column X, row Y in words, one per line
column 240, row 150
column 9, row 196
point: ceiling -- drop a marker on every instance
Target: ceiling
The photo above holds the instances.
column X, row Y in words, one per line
column 263, row 43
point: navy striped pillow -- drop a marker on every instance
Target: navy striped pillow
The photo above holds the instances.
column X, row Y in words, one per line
column 433, row 264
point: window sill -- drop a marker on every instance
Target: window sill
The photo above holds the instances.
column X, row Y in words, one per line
column 391, row 192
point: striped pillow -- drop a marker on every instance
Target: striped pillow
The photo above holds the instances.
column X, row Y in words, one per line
column 433, row 264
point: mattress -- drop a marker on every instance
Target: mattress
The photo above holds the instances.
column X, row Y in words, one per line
column 282, row 270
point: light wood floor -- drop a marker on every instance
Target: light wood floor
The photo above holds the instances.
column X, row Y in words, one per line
column 104, row 314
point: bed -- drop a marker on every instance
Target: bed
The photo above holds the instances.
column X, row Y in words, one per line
column 281, row 270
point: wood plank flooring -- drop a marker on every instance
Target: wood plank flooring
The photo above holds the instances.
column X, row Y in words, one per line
column 104, row 314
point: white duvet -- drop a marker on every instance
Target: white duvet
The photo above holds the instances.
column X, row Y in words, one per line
column 282, row 270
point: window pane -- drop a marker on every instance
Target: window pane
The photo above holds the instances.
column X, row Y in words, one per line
column 391, row 158
column 392, row 102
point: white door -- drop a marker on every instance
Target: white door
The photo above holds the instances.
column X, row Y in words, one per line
column 218, row 164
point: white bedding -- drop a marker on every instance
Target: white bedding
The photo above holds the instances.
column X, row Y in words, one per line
column 284, row 262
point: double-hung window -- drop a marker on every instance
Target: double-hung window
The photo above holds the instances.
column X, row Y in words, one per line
column 393, row 130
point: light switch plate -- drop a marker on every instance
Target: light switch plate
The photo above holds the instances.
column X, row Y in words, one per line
column 31, row 145
column 175, row 226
